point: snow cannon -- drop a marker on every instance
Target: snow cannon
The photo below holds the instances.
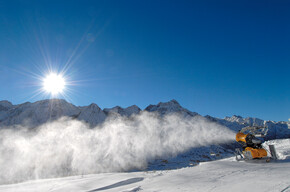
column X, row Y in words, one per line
column 252, row 148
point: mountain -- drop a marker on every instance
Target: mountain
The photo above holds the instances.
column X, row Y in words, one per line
column 91, row 114
column 248, row 120
column 170, row 107
column 34, row 114
column 123, row 111
column 4, row 107
column 276, row 130
column 37, row 113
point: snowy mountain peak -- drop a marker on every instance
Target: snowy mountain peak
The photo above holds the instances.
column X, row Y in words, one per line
column 5, row 105
column 235, row 118
column 39, row 112
column 172, row 102
column 94, row 106
column 169, row 107
column 122, row 111
column 248, row 120
column 134, row 109
column 92, row 114
column 116, row 109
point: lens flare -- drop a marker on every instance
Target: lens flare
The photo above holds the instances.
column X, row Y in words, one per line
column 54, row 84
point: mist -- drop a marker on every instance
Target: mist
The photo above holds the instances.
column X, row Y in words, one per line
column 70, row 147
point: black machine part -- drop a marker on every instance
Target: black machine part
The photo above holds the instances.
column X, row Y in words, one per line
column 252, row 141
column 273, row 152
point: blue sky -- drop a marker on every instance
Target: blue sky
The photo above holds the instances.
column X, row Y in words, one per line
column 215, row 57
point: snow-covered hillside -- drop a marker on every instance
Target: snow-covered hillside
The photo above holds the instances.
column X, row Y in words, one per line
column 222, row 175
column 54, row 138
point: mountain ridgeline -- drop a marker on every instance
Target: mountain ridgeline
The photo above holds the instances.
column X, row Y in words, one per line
column 40, row 112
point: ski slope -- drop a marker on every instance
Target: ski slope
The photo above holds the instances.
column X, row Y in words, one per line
column 222, row 175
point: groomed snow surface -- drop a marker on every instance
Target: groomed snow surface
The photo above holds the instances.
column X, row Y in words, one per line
column 222, row 175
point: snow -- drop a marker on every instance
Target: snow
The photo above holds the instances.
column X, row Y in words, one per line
column 70, row 147
column 283, row 146
column 178, row 150
column 222, row 175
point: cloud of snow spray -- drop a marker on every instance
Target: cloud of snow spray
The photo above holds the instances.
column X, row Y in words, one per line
column 69, row 147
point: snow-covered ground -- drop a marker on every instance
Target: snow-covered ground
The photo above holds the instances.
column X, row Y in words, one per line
column 222, row 175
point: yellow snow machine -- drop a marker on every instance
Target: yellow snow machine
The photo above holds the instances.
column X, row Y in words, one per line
column 253, row 150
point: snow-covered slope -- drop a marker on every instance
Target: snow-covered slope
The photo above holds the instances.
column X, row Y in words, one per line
column 223, row 175
column 178, row 138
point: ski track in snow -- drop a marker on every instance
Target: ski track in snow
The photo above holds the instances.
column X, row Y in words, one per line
column 221, row 175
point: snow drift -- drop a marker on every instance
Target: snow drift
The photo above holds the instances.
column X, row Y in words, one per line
column 70, row 147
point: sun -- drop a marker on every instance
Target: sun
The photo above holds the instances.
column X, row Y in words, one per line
column 54, row 84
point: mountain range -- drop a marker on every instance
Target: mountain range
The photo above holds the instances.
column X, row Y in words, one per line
column 37, row 113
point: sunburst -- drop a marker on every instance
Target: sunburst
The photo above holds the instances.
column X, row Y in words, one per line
column 54, row 84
